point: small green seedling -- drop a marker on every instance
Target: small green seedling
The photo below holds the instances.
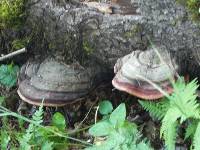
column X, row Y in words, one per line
column 8, row 75
column 117, row 131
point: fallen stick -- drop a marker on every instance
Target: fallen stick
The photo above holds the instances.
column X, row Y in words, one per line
column 23, row 50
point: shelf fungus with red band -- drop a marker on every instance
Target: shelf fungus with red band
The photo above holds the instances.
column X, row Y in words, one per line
column 135, row 70
column 57, row 83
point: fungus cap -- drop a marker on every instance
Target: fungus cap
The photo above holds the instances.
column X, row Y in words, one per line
column 56, row 83
column 133, row 71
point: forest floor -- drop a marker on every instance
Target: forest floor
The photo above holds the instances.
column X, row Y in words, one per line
column 81, row 114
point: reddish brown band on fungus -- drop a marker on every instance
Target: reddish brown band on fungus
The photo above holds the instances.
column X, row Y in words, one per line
column 140, row 91
column 35, row 96
column 38, row 102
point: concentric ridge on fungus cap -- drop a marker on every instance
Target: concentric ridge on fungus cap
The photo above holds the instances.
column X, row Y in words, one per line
column 56, row 83
column 133, row 68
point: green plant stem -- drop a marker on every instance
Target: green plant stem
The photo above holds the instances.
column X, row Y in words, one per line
column 3, row 109
column 78, row 130
column 73, row 144
column 50, row 130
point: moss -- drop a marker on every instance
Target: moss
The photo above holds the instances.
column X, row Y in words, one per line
column 12, row 20
column 87, row 48
column 12, row 13
column 20, row 43
column 193, row 7
column 135, row 29
column 51, row 46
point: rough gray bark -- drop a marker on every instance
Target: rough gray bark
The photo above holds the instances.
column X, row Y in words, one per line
column 169, row 24
column 77, row 31
column 70, row 31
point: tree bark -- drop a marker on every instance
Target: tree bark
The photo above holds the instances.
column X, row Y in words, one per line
column 71, row 31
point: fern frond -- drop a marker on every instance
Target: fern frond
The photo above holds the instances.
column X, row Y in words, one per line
column 170, row 136
column 168, row 128
column 143, row 146
column 191, row 128
column 184, row 99
column 171, row 117
column 156, row 109
column 196, row 139
column 25, row 140
column 181, row 105
column 38, row 115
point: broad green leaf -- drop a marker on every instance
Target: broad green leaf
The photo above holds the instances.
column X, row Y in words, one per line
column 117, row 138
column 99, row 147
column 119, row 133
column 118, row 116
column 105, row 107
column 58, row 121
column 102, row 128
column 128, row 130
column 111, row 142
column 47, row 146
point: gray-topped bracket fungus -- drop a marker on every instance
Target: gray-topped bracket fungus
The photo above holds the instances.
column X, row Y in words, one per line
column 134, row 71
column 56, row 83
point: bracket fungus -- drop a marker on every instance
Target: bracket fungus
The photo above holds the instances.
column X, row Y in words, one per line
column 136, row 71
column 57, row 83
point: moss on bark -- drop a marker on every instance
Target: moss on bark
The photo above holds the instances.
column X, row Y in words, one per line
column 12, row 13
column 193, row 7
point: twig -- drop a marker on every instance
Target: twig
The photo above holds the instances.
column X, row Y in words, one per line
column 80, row 124
column 96, row 114
column 23, row 50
